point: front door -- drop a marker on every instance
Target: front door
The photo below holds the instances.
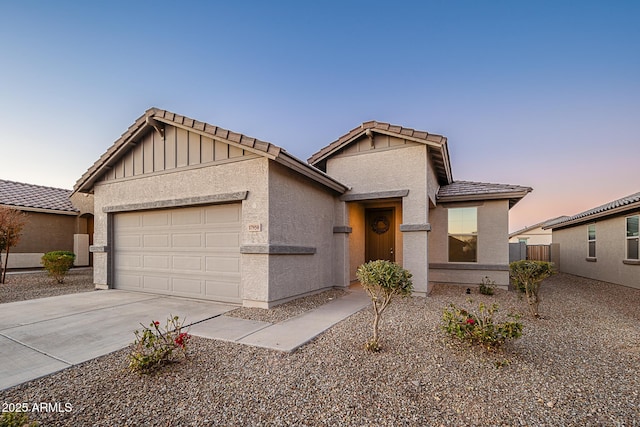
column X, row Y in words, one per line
column 380, row 234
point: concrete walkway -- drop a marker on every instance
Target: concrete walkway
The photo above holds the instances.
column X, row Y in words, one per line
column 40, row 337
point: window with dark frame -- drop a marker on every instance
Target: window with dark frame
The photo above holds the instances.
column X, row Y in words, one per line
column 591, row 239
column 463, row 234
column 633, row 237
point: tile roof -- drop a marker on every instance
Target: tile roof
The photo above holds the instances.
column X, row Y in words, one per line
column 155, row 116
column 469, row 190
column 625, row 203
column 23, row 195
column 546, row 223
column 440, row 156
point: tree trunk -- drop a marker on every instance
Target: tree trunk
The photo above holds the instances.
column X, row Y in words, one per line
column 6, row 261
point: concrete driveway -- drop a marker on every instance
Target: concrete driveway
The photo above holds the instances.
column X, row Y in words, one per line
column 39, row 337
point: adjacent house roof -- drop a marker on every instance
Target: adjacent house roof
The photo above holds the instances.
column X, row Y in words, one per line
column 460, row 191
column 538, row 225
column 29, row 197
column 625, row 204
column 437, row 146
column 156, row 118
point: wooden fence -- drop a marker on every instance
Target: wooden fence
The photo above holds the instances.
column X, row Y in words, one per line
column 539, row 252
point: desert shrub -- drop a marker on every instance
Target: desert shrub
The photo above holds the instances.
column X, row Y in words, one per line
column 16, row 419
column 382, row 280
column 480, row 329
column 58, row 263
column 487, row 286
column 527, row 277
column 155, row 346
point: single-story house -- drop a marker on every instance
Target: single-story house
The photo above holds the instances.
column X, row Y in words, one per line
column 52, row 221
column 536, row 234
column 602, row 243
column 186, row 208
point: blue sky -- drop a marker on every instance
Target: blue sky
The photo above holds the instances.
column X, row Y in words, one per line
column 541, row 94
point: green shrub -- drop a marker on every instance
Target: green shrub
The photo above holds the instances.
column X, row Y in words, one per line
column 487, row 286
column 58, row 263
column 155, row 346
column 480, row 329
column 382, row 280
column 527, row 277
column 16, row 419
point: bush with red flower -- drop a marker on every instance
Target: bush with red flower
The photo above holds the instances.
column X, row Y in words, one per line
column 155, row 346
column 480, row 329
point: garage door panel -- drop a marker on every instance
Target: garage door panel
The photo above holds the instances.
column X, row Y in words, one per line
column 156, row 283
column 130, row 221
column 222, row 214
column 128, row 281
column 223, row 264
column 184, row 286
column 129, row 260
column 223, row 289
column 187, row 263
column 156, row 241
column 192, row 252
column 223, row 240
column 188, row 217
column 155, row 219
column 156, row 261
column 125, row 241
column 186, row 240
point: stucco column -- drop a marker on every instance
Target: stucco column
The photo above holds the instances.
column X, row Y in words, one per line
column 414, row 245
column 341, row 233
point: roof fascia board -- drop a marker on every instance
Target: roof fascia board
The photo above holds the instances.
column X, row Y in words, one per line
column 486, row 196
column 380, row 131
column 590, row 218
column 117, row 154
column 309, row 171
column 41, row 210
column 216, row 138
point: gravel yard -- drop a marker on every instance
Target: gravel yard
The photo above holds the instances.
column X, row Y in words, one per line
column 24, row 286
column 578, row 365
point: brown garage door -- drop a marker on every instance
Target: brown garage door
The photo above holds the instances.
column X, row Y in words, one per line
column 190, row 252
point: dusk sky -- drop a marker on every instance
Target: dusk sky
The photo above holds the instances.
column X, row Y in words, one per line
column 540, row 94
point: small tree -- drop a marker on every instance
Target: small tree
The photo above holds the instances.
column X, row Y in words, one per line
column 382, row 280
column 12, row 222
column 58, row 263
column 528, row 275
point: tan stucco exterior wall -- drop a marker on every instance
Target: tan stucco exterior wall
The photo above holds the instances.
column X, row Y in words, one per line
column 247, row 175
column 301, row 214
column 401, row 167
column 42, row 233
column 610, row 252
column 493, row 249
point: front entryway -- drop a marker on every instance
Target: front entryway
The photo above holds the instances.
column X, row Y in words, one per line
column 380, row 234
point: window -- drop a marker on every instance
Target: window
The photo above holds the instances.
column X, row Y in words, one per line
column 633, row 237
column 463, row 235
column 591, row 238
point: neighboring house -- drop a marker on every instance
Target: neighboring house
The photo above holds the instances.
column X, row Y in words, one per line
column 602, row 243
column 51, row 221
column 535, row 234
column 190, row 209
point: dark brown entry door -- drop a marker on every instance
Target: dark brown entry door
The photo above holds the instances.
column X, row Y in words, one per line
column 380, row 234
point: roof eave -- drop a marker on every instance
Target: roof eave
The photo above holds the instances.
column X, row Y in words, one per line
column 310, row 171
column 513, row 197
column 590, row 218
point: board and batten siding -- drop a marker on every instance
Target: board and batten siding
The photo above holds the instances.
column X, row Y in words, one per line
column 178, row 149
